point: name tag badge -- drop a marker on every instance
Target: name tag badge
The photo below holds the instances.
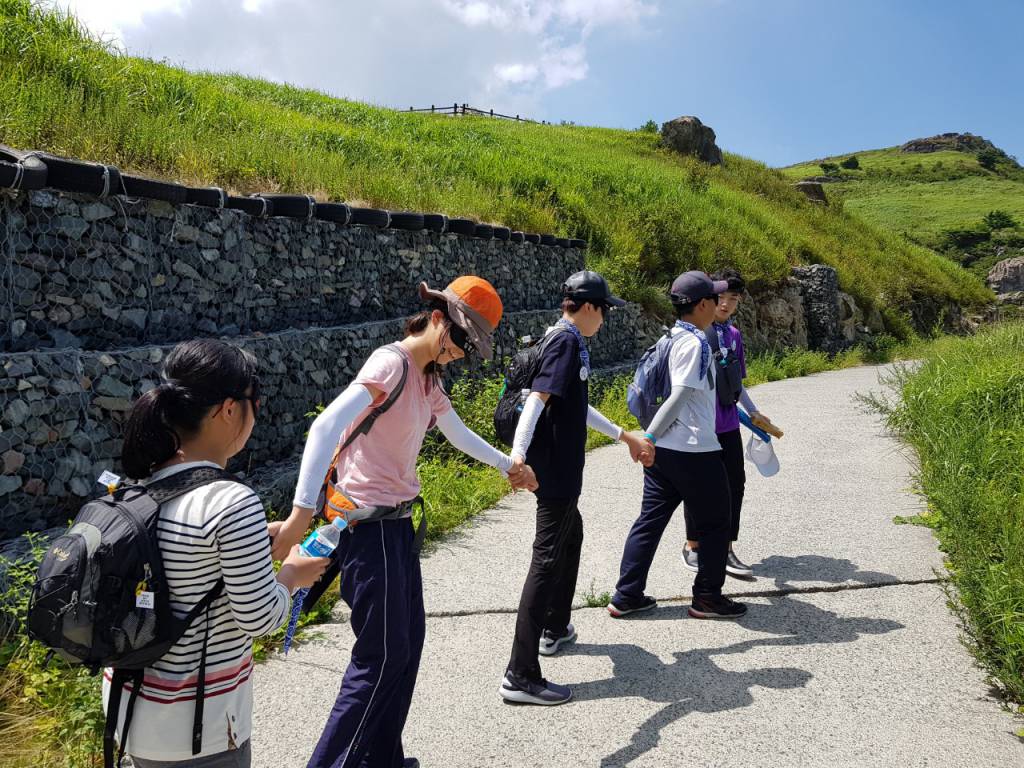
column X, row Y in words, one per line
column 108, row 478
column 144, row 600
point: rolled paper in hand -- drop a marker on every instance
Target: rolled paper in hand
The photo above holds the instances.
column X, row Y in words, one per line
column 746, row 421
column 763, row 423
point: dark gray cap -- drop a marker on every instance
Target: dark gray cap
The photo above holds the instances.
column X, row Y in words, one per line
column 590, row 286
column 694, row 286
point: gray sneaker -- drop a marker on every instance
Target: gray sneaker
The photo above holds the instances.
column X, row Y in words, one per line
column 518, row 691
column 690, row 561
column 737, row 568
column 550, row 642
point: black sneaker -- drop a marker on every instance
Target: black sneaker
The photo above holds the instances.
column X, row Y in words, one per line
column 690, row 559
column 410, row 762
column 619, row 607
column 736, row 567
column 720, row 607
column 519, row 691
column 550, row 642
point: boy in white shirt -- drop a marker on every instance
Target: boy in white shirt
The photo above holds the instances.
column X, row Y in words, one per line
column 688, row 466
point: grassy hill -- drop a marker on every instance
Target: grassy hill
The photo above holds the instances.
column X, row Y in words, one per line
column 936, row 199
column 648, row 214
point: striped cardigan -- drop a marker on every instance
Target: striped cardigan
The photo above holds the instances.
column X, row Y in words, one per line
column 217, row 531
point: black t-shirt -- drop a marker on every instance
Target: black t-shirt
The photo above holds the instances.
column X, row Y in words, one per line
column 557, row 451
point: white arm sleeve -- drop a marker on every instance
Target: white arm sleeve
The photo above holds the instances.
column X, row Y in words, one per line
column 746, row 402
column 470, row 443
column 669, row 411
column 597, row 420
column 323, row 439
column 527, row 423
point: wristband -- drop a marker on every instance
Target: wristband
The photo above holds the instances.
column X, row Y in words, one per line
column 652, row 438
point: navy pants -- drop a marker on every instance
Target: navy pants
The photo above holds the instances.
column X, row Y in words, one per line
column 698, row 480
column 381, row 583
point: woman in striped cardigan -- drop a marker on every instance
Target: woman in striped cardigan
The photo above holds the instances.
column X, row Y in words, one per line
column 202, row 414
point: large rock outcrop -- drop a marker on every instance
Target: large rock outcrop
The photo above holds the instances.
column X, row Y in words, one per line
column 689, row 136
column 1006, row 279
column 957, row 142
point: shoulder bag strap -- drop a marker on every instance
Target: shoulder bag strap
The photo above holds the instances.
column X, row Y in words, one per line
column 367, row 424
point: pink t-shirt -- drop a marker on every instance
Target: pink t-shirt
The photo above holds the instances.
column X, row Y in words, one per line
column 379, row 469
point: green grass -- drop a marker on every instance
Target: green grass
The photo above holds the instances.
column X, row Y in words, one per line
column 962, row 411
column 922, row 195
column 647, row 214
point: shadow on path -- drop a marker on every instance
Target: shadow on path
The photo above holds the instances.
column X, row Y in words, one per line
column 693, row 682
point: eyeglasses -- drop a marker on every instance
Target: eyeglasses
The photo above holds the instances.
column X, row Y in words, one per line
column 604, row 307
column 254, row 396
column 460, row 338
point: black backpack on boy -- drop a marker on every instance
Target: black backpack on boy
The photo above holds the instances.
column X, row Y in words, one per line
column 519, row 375
column 101, row 598
column 728, row 376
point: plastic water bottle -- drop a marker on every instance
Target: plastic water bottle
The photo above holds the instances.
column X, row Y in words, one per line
column 320, row 543
column 524, row 395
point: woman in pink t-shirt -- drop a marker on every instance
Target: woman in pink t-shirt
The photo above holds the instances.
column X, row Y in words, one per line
column 380, row 570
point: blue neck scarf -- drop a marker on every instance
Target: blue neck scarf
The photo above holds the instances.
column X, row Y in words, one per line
column 705, row 348
column 584, row 353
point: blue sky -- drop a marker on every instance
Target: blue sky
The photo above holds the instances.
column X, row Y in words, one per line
column 778, row 80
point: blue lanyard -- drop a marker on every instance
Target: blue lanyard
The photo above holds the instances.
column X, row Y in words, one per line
column 705, row 347
column 584, row 353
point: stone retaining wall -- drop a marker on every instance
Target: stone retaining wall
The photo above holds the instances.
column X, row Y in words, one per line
column 111, row 274
column 93, row 294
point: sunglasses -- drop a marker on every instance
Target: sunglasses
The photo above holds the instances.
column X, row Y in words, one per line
column 460, row 339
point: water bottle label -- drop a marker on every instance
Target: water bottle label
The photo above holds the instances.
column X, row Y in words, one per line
column 315, row 546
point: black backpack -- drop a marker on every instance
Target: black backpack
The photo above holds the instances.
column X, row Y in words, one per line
column 522, row 370
column 728, row 376
column 101, row 599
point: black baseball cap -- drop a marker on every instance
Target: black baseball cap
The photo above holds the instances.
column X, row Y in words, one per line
column 694, row 286
column 590, row 286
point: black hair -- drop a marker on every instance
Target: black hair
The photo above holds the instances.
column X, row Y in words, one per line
column 419, row 322
column 732, row 277
column 197, row 376
column 685, row 308
column 572, row 306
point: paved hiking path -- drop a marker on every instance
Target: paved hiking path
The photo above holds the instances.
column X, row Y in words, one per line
column 848, row 656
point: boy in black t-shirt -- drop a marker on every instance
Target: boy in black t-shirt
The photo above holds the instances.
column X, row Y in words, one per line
column 551, row 437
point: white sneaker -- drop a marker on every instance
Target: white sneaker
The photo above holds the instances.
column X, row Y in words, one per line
column 550, row 642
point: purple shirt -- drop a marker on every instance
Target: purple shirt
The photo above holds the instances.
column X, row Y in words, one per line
column 727, row 418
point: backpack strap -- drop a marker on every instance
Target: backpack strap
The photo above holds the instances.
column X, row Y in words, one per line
column 117, row 683
column 371, row 418
column 180, row 483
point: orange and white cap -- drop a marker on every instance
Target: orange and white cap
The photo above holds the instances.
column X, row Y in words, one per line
column 474, row 306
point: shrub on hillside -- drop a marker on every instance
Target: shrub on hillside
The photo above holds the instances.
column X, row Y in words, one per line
column 649, row 127
column 829, row 168
column 988, row 158
column 998, row 220
column 851, row 163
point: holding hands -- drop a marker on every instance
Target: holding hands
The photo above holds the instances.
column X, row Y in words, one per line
column 641, row 449
column 521, row 475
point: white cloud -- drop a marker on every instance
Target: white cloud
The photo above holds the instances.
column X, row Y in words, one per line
column 516, row 73
column 111, row 18
column 504, row 54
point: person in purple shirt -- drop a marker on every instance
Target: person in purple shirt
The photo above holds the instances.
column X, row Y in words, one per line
column 727, row 343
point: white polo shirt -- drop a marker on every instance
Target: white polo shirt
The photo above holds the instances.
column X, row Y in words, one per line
column 693, row 430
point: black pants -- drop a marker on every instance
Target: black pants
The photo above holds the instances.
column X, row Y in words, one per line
column 546, row 602
column 677, row 476
column 732, row 455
